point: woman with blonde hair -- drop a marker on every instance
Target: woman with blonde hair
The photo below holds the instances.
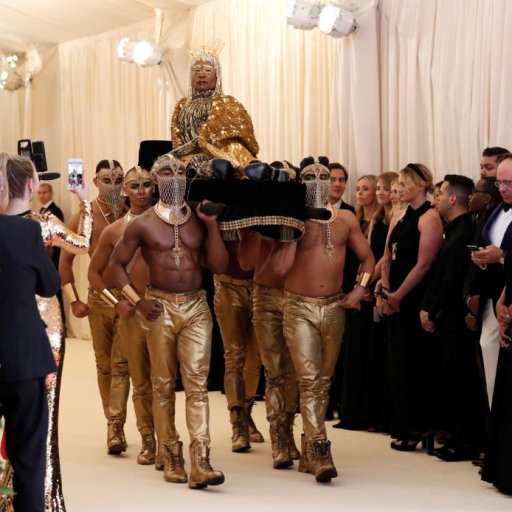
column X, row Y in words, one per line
column 412, row 245
column 20, row 184
column 366, row 195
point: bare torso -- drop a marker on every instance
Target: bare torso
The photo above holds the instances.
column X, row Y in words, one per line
column 264, row 274
column 157, row 242
column 312, row 274
column 234, row 269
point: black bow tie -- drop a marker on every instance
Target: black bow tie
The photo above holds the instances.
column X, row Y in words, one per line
column 42, row 210
column 506, row 207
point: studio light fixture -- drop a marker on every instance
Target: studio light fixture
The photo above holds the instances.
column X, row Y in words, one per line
column 14, row 72
column 336, row 21
column 144, row 53
column 302, row 14
column 331, row 19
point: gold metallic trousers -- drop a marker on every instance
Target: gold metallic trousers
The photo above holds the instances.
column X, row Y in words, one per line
column 281, row 391
column 313, row 328
column 233, row 309
column 134, row 347
column 182, row 334
column 111, row 365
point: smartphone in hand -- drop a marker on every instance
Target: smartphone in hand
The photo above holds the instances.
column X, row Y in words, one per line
column 75, row 173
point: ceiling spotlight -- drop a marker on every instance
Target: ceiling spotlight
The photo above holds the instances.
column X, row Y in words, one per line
column 336, row 21
column 125, row 49
column 15, row 72
column 302, row 14
column 146, row 53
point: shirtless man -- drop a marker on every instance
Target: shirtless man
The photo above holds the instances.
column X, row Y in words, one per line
column 313, row 316
column 281, row 391
column 106, row 209
column 138, row 186
column 173, row 242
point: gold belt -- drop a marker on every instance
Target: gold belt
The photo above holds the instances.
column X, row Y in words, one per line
column 175, row 298
column 224, row 278
column 319, row 301
column 269, row 290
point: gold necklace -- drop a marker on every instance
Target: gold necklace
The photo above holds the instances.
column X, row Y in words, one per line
column 103, row 213
column 175, row 219
column 329, row 247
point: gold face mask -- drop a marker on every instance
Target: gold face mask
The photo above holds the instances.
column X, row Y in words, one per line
column 316, row 177
column 110, row 185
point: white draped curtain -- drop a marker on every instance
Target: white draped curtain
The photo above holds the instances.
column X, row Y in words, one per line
column 422, row 81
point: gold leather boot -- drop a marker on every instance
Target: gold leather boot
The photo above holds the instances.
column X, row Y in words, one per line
column 240, row 438
column 116, row 442
column 255, row 436
column 201, row 472
column 321, row 464
column 304, row 463
column 294, row 451
column 147, row 452
column 160, row 458
column 174, row 468
column 280, row 449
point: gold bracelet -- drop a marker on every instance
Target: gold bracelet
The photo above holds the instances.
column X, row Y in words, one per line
column 68, row 290
column 363, row 280
column 130, row 294
column 108, row 297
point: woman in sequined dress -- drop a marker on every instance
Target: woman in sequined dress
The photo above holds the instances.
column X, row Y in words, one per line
column 22, row 183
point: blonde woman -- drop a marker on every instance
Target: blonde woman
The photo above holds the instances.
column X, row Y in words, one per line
column 412, row 245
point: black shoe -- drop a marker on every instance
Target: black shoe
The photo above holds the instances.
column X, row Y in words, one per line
column 222, row 169
column 261, row 171
column 450, row 453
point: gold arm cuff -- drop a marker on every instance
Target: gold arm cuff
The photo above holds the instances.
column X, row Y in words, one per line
column 68, row 290
column 130, row 294
column 108, row 297
column 363, row 279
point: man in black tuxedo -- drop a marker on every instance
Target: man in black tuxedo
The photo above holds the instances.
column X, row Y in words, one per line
column 45, row 195
column 462, row 402
column 495, row 240
column 25, row 355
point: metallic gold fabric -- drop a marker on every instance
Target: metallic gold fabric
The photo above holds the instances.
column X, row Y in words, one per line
column 111, row 365
column 233, row 309
column 134, row 347
column 313, row 333
column 182, row 334
column 226, row 133
column 281, row 391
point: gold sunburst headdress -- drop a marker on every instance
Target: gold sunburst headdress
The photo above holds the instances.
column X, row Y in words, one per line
column 209, row 54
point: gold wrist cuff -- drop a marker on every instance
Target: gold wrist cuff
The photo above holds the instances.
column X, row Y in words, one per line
column 68, row 290
column 108, row 297
column 363, row 279
column 130, row 294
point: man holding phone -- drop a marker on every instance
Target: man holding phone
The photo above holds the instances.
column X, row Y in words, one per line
column 496, row 239
column 106, row 209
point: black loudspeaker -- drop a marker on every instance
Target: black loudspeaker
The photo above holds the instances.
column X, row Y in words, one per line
column 150, row 150
column 39, row 156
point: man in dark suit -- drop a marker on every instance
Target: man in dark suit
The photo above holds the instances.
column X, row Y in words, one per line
column 25, row 355
column 495, row 240
column 45, row 195
column 461, row 403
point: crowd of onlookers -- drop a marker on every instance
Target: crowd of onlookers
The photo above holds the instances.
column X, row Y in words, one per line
column 419, row 359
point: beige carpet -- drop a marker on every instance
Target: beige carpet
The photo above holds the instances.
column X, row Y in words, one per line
column 373, row 477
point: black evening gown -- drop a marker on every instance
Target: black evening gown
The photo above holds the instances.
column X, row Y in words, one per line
column 357, row 402
column 410, row 348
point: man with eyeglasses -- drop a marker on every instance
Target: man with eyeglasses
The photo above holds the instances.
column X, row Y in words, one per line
column 495, row 240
